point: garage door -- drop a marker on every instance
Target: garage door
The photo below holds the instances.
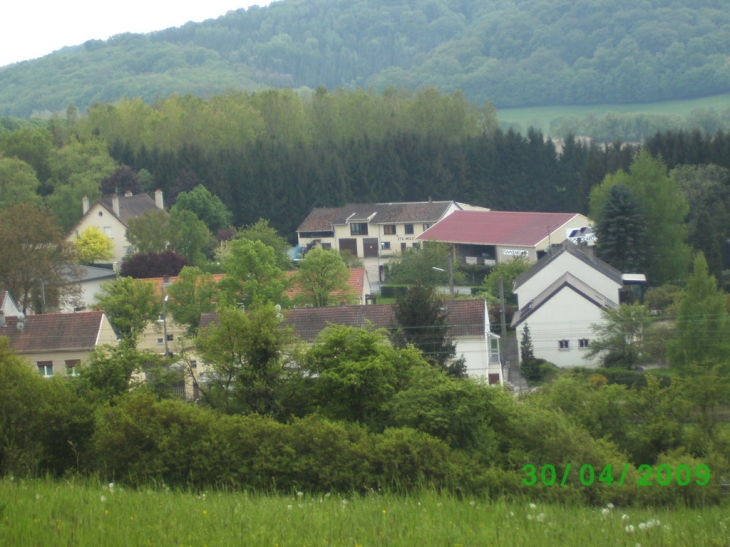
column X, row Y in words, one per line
column 370, row 247
column 349, row 244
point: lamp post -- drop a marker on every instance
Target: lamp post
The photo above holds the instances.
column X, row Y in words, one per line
column 451, row 275
column 165, row 283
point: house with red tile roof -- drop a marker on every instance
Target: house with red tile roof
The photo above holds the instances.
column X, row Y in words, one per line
column 57, row 343
column 358, row 283
column 111, row 215
column 488, row 237
column 468, row 319
column 370, row 230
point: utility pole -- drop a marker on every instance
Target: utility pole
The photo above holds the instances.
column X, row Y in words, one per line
column 503, row 322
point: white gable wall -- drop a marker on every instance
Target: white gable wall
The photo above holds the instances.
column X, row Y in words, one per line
column 566, row 262
column 109, row 225
column 566, row 316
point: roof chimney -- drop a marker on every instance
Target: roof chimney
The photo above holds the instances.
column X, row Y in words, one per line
column 2, row 318
column 127, row 193
column 159, row 201
column 85, row 204
column 115, row 204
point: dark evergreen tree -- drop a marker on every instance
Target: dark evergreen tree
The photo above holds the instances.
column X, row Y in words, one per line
column 421, row 320
column 529, row 365
column 621, row 231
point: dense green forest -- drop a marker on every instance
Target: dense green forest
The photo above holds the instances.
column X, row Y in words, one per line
column 276, row 155
column 523, row 52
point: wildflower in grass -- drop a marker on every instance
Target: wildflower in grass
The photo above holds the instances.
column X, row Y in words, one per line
column 111, row 487
column 530, row 517
column 106, row 511
column 38, row 496
column 609, row 506
column 629, row 528
column 624, row 517
column 205, row 512
column 533, row 506
column 540, row 517
column 300, row 494
column 288, row 507
column 384, row 511
column 102, row 498
column 605, row 511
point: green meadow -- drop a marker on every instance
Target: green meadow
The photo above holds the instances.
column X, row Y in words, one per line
column 49, row 513
column 541, row 116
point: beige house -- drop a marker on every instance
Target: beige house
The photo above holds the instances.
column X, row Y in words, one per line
column 374, row 229
column 57, row 343
column 111, row 215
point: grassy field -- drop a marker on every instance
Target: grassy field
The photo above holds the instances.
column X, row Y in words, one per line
column 541, row 116
column 46, row 513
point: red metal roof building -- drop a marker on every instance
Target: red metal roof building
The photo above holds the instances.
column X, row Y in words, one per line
column 487, row 237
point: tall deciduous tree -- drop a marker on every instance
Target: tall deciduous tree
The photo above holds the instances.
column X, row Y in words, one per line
column 243, row 354
column 193, row 293
column 18, row 183
column 321, row 273
column 92, row 245
column 664, row 209
column 130, row 305
column 620, row 339
column 180, row 231
column 702, row 328
column 207, row 207
column 34, row 255
column 422, row 321
column 261, row 231
column 145, row 265
column 621, row 231
column 252, row 274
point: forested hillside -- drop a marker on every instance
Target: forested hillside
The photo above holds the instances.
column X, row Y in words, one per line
column 523, row 52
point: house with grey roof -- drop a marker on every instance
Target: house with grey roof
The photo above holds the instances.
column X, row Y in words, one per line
column 561, row 296
column 468, row 326
column 111, row 215
column 373, row 229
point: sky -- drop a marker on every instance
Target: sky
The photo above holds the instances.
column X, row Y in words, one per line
column 34, row 28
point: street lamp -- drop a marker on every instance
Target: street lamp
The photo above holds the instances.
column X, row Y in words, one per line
column 165, row 283
column 451, row 275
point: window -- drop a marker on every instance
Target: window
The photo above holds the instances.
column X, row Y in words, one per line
column 170, row 337
column 402, row 246
column 358, row 229
column 160, row 341
column 385, row 245
column 583, row 343
column 416, row 246
column 389, row 229
column 327, row 246
column 108, row 231
column 564, row 345
column 409, row 229
column 72, row 367
column 427, row 226
column 45, row 368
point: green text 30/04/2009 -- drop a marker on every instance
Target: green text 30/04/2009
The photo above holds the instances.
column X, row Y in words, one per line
column 662, row 475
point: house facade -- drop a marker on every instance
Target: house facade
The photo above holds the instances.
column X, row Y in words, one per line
column 89, row 284
column 111, row 215
column 371, row 230
column 468, row 320
column 560, row 297
column 489, row 237
column 56, row 343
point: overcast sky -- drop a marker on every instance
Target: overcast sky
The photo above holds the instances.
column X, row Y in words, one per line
column 34, row 28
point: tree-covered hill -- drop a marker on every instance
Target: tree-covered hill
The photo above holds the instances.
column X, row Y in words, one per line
column 514, row 53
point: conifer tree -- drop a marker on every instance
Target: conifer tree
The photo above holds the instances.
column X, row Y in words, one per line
column 529, row 365
column 621, row 231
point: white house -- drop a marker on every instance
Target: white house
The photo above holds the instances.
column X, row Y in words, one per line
column 560, row 297
column 111, row 215
column 89, row 284
column 468, row 326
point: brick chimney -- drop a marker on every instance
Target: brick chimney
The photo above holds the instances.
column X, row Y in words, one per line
column 159, row 200
column 85, row 204
column 115, row 204
column 128, row 193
